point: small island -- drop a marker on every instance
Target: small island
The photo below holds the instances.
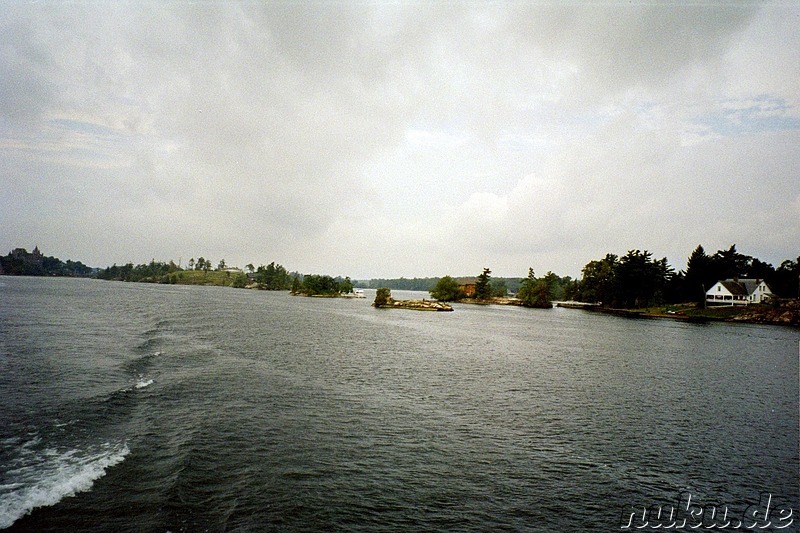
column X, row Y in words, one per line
column 384, row 300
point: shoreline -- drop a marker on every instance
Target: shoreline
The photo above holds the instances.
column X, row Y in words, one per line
column 787, row 314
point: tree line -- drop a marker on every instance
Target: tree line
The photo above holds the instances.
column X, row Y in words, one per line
column 155, row 271
column 501, row 286
column 20, row 262
column 321, row 285
column 634, row 280
column 401, row 284
column 274, row 276
column 270, row 277
column 530, row 291
column 638, row 280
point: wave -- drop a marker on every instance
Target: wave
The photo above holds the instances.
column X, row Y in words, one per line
column 148, row 356
column 142, row 383
column 141, row 363
column 40, row 478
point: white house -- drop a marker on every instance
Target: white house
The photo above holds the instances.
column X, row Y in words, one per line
column 739, row 292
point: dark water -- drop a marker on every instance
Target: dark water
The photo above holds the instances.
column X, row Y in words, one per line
column 131, row 407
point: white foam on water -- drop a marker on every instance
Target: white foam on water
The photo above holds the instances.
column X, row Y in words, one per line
column 142, row 383
column 47, row 476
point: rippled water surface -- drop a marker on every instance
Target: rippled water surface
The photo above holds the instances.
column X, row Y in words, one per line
column 132, row 407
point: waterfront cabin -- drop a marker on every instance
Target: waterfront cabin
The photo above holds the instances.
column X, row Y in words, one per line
column 739, row 292
column 467, row 286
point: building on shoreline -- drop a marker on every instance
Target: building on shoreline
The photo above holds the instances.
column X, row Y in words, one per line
column 737, row 291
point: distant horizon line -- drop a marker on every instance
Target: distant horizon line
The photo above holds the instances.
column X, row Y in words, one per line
column 179, row 263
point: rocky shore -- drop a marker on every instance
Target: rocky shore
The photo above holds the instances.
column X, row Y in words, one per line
column 416, row 305
column 786, row 313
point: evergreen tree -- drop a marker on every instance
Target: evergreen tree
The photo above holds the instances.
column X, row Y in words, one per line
column 535, row 292
column 483, row 287
column 785, row 282
column 699, row 275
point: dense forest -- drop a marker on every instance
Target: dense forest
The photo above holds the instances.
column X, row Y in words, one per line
column 635, row 280
column 638, row 280
column 155, row 272
column 321, row 285
column 20, row 262
column 400, row 284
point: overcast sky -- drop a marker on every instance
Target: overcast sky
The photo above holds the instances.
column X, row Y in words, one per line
column 398, row 138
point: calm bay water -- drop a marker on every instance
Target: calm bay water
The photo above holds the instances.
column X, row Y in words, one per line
column 131, row 407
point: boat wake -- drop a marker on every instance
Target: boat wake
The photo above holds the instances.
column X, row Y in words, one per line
column 40, row 477
column 142, row 383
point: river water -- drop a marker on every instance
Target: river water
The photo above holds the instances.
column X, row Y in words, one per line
column 134, row 407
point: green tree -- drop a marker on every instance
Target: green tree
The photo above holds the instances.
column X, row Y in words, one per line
column 250, row 268
column 699, row 276
column 191, row 263
column 483, row 286
column 640, row 280
column 202, row 264
column 598, row 282
column 383, row 297
column 553, row 284
column 221, row 265
column 346, row 286
column 785, row 282
column 273, row 277
column 447, row 290
column 499, row 288
column 296, row 285
column 535, row 292
column 314, row 284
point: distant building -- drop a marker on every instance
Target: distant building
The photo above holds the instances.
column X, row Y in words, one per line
column 467, row 286
column 23, row 255
column 739, row 292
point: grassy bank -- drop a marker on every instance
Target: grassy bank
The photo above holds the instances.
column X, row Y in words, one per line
column 200, row 277
column 691, row 311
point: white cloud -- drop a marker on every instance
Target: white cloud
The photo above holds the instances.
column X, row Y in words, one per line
column 398, row 139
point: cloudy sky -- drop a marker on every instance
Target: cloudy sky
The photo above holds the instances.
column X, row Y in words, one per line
column 393, row 138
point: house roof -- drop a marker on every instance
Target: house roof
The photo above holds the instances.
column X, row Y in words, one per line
column 743, row 286
column 466, row 281
column 750, row 285
column 734, row 287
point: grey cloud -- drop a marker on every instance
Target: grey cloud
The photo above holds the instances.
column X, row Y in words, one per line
column 290, row 121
